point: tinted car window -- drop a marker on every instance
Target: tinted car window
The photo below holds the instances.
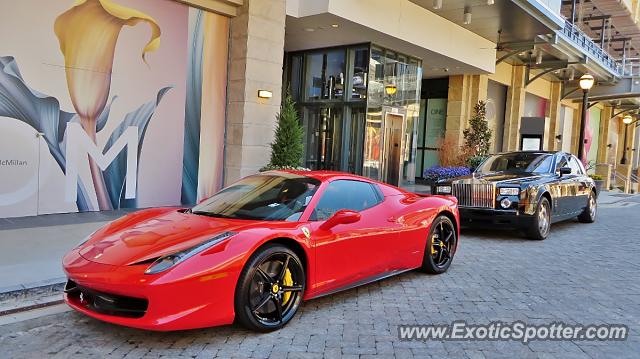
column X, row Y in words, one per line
column 261, row 197
column 345, row 194
column 517, row 162
column 562, row 162
column 575, row 166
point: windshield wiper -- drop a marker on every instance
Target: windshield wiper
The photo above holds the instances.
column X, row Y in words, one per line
column 208, row 214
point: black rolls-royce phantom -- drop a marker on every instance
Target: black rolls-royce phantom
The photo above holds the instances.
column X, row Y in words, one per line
column 526, row 190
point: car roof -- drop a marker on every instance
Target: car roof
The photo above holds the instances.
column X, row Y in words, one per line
column 534, row 152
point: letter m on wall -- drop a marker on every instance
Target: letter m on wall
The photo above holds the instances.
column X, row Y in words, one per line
column 79, row 146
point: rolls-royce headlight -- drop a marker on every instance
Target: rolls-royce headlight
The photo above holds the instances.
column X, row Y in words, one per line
column 509, row 191
column 443, row 189
column 505, row 203
column 165, row 262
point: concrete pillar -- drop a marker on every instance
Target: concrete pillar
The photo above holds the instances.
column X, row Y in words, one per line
column 555, row 106
column 514, row 109
column 255, row 63
column 464, row 93
column 479, row 89
column 457, row 108
column 575, row 133
column 603, row 141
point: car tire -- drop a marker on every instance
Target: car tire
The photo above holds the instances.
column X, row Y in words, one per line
column 590, row 212
column 441, row 246
column 542, row 221
column 261, row 300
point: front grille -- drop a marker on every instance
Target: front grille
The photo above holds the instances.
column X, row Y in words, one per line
column 106, row 303
column 476, row 195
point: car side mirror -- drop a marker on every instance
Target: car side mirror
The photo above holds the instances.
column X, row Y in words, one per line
column 565, row 171
column 343, row 216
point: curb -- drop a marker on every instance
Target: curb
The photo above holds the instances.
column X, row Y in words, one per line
column 41, row 287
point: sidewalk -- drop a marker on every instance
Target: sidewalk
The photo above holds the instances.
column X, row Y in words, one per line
column 31, row 248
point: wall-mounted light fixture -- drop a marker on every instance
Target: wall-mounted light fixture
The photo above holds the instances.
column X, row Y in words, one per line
column 265, row 94
column 490, row 2
column 559, row 138
column 466, row 19
column 391, row 89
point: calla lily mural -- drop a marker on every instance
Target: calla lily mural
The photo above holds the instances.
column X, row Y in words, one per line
column 88, row 33
column 149, row 80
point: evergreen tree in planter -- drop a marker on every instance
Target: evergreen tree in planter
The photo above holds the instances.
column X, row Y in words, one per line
column 287, row 149
column 477, row 137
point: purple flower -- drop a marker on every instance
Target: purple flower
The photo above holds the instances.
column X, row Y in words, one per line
column 437, row 173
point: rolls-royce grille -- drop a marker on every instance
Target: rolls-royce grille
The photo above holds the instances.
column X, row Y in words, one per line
column 474, row 195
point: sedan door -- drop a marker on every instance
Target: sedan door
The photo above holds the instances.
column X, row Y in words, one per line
column 564, row 188
column 354, row 252
column 581, row 185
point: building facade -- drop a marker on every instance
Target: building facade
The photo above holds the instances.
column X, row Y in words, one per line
column 108, row 104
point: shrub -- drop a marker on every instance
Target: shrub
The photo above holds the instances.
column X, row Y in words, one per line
column 451, row 155
column 292, row 168
column 437, row 173
column 287, row 148
column 596, row 177
column 474, row 161
column 477, row 138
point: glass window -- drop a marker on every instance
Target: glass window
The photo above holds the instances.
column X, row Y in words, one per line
column 295, row 76
column 345, row 194
column 267, row 197
column 359, row 77
column 325, row 75
column 562, row 162
column 576, row 167
column 372, row 145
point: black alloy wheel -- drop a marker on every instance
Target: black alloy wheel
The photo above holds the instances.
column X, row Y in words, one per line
column 270, row 289
column 441, row 246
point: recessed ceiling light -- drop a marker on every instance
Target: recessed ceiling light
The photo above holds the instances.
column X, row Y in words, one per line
column 309, row 29
column 335, row 25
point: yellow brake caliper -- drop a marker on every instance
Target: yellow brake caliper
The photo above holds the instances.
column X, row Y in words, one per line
column 433, row 244
column 286, row 281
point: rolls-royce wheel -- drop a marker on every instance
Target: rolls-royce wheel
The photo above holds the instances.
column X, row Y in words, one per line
column 542, row 220
column 590, row 212
column 270, row 289
column 441, row 246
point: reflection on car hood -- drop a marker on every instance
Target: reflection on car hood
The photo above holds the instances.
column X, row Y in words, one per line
column 499, row 178
column 152, row 233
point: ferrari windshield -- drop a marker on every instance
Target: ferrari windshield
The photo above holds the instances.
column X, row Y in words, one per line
column 268, row 197
column 529, row 162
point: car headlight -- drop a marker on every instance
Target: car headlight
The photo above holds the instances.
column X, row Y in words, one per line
column 509, row 191
column 165, row 262
column 443, row 189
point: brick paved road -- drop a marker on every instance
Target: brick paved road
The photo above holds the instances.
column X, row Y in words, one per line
column 581, row 274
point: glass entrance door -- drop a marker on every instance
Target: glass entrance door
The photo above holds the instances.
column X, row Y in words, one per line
column 392, row 155
column 323, row 128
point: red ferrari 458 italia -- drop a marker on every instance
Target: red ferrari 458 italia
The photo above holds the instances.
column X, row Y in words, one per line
column 256, row 249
